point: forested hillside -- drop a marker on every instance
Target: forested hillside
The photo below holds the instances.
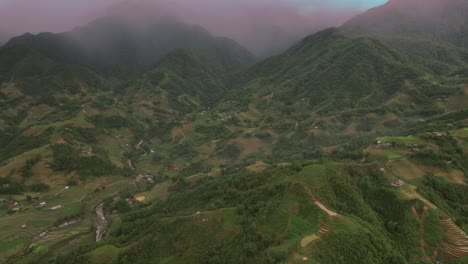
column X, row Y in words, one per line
column 152, row 141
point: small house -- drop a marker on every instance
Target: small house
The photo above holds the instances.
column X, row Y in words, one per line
column 398, row 183
column 56, row 207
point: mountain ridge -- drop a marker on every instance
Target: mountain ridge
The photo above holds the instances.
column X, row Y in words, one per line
column 107, row 44
column 346, row 148
column 433, row 20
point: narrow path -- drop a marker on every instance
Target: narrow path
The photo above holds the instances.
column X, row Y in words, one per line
column 324, row 229
column 138, row 146
column 202, row 212
column 84, row 196
column 325, row 209
column 130, row 164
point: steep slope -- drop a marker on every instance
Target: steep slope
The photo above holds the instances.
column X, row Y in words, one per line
column 140, row 128
column 439, row 20
column 431, row 33
column 94, row 77
column 115, row 46
column 330, row 90
column 112, row 53
column 36, row 73
column 330, row 71
column 180, row 82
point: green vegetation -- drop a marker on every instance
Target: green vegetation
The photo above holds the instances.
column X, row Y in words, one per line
column 394, row 156
column 356, row 140
column 448, row 196
column 67, row 159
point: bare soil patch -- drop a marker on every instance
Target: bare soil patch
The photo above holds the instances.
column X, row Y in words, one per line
column 180, row 131
column 259, row 166
column 309, row 239
column 249, row 145
column 140, row 198
column 325, row 209
column 455, row 176
column 406, row 169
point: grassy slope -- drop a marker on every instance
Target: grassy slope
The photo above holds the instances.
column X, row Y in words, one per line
column 274, row 116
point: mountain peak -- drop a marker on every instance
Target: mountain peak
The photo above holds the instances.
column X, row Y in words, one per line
column 440, row 20
column 121, row 46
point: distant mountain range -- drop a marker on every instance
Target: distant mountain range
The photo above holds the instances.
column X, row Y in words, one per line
column 3, row 38
column 116, row 46
column 349, row 147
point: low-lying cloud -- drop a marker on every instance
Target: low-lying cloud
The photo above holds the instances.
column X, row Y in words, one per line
column 263, row 26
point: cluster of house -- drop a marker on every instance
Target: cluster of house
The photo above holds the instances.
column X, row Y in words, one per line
column 53, row 208
column 12, row 204
column 383, row 144
column 144, row 177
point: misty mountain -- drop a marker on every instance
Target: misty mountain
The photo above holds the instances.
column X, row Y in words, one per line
column 430, row 33
column 3, row 39
column 116, row 46
column 435, row 20
column 143, row 139
column 4, row 36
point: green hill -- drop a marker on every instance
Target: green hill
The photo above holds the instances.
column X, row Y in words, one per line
column 182, row 79
column 332, row 71
column 149, row 140
column 430, row 33
column 113, row 46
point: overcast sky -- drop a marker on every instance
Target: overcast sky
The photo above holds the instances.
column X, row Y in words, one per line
column 251, row 22
column 62, row 15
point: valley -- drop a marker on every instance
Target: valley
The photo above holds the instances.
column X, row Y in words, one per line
column 349, row 147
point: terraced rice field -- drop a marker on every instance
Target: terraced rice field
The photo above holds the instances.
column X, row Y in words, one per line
column 455, row 240
column 332, row 222
column 63, row 233
column 410, row 193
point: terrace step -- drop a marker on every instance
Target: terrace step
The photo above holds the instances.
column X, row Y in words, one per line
column 455, row 240
column 427, row 260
